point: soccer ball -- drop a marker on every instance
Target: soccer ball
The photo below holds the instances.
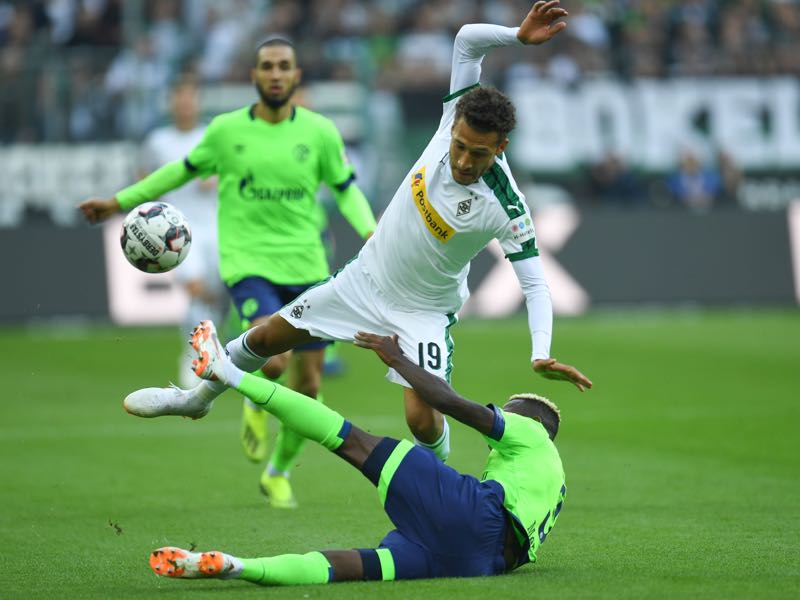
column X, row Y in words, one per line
column 155, row 237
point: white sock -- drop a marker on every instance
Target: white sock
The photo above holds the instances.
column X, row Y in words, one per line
column 273, row 472
column 237, row 566
column 242, row 357
column 441, row 447
column 208, row 390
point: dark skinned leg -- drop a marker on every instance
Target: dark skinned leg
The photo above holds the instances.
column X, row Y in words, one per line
column 357, row 447
column 424, row 422
column 347, row 565
column 306, row 373
column 279, row 361
column 275, row 335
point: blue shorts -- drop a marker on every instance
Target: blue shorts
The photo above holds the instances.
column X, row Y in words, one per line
column 256, row 297
column 448, row 524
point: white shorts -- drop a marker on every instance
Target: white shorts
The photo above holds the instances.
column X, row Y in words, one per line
column 350, row 301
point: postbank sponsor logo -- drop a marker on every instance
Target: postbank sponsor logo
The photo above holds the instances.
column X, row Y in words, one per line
column 432, row 219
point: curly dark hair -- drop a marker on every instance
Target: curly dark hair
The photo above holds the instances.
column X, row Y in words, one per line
column 487, row 109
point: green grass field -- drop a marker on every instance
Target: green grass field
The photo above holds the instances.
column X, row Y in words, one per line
column 683, row 464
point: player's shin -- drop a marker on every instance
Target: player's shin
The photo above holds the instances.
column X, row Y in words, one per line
column 288, row 446
column 302, row 414
column 441, row 447
column 287, row 569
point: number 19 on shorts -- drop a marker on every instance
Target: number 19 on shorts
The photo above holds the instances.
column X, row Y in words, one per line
column 430, row 356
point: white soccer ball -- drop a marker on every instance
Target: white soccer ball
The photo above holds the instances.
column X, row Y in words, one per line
column 155, row 237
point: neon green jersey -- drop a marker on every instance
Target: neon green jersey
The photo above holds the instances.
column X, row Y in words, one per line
column 268, row 179
column 526, row 463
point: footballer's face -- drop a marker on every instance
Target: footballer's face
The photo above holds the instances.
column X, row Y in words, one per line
column 472, row 152
column 276, row 75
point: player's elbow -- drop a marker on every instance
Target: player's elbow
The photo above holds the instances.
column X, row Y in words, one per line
column 463, row 37
column 466, row 31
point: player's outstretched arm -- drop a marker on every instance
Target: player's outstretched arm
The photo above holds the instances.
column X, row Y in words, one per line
column 434, row 391
column 475, row 40
column 158, row 183
column 354, row 206
column 540, row 320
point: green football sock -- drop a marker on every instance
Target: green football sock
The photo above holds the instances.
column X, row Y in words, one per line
column 288, row 445
column 281, row 380
column 287, row 569
column 307, row 417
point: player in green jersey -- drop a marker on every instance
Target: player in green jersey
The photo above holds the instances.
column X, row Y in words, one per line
column 447, row 524
column 270, row 159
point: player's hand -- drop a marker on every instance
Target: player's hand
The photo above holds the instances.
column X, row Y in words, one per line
column 552, row 369
column 96, row 210
column 387, row 348
column 540, row 24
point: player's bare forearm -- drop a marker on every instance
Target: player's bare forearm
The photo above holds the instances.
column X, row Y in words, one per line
column 432, row 390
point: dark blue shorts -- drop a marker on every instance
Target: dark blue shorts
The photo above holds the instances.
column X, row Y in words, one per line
column 448, row 524
column 258, row 297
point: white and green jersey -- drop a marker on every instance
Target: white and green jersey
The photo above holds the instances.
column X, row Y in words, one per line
column 434, row 226
column 411, row 275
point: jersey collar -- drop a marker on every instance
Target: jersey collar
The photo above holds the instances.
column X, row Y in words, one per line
column 252, row 112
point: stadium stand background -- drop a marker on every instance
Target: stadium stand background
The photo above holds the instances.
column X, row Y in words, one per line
column 666, row 134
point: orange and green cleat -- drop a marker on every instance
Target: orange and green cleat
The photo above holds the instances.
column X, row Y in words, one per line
column 177, row 562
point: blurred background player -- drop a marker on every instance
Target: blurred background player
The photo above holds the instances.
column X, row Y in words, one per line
column 447, row 524
column 270, row 159
column 197, row 200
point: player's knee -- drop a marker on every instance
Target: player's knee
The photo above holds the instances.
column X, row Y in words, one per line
column 309, row 386
column 273, row 370
column 275, row 366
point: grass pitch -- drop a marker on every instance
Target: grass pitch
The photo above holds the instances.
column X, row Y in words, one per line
column 682, row 464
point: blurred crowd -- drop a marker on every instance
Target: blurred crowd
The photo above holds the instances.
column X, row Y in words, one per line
column 93, row 70
column 694, row 184
column 65, row 63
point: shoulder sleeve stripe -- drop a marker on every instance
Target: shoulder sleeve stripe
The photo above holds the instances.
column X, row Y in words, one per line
column 460, row 92
column 496, row 179
column 499, row 425
column 346, row 183
column 529, row 249
column 189, row 166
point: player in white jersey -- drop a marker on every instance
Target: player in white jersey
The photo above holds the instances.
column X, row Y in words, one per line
column 410, row 278
column 199, row 273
